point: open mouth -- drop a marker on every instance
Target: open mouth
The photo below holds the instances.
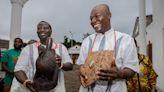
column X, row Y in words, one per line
column 42, row 35
column 97, row 27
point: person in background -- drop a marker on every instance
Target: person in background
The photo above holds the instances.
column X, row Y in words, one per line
column 25, row 67
column 31, row 41
column 28, row 43
column 124, row 53
column 9, row 60
column 145, row 80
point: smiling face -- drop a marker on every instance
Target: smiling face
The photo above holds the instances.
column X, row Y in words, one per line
column 100, row 18
column 44, row 31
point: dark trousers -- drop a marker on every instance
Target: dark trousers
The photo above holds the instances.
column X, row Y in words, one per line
column 1, row 86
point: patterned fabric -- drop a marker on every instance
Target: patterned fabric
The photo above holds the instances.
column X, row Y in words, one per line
column 10, row 57
column 147, row 76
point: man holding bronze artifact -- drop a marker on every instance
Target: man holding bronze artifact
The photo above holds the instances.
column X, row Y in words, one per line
column 39, row 68
column 107, row 57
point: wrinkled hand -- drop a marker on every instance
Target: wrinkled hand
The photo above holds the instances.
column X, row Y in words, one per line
column 29, row 85
column 108, row 74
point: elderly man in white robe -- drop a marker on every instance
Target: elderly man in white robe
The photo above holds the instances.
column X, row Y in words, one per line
column 112, row 78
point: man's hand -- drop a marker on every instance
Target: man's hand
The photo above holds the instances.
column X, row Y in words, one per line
column 114, row 73
column 82, row 72
column 6, row 69
column 108, row 74
column 58, row 60
column 83, row 76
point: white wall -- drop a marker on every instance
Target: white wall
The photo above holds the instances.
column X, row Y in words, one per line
column 158, row 43
column 139, row 41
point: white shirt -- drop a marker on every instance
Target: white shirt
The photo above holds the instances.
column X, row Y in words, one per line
column 126, row 55
column 24, row 63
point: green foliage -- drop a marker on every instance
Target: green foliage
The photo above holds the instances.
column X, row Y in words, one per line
column 70, row 42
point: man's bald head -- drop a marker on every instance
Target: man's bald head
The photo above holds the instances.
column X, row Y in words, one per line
column 102, row 7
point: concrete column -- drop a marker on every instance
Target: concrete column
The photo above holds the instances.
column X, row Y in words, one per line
column 16, row 16
column 158, row 41
column 142, row 26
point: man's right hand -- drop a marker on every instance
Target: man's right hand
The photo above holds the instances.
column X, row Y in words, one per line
column 82, row 72
column 22, row 78
column 83, row 76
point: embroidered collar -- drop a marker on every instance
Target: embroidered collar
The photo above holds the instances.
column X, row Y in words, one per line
column 54, row 45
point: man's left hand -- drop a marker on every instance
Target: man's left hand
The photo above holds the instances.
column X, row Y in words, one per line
column 108, row 74
column 58, row 60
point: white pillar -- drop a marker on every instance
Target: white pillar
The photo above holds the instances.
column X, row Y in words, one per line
column 142, row 26
column 16, row 16
column 158, row 42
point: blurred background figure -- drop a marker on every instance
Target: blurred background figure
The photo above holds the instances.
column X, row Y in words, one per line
column 31, row 41
column 9, row 60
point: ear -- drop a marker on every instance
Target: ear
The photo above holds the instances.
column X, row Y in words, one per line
column 50, row 32
column 109, row 15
